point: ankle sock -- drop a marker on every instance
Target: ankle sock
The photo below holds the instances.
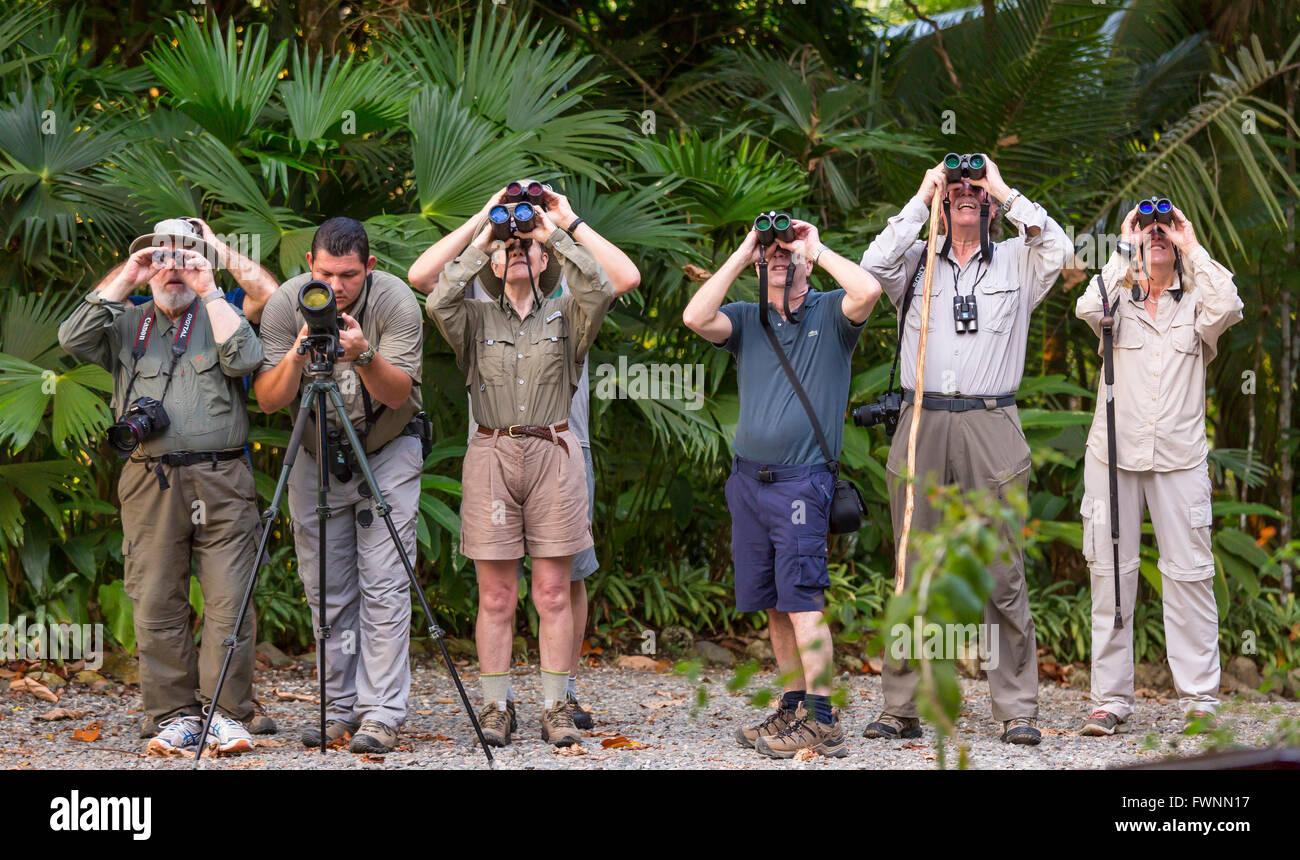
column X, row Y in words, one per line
column 819, row 708
column 572, row 689
column 791, row 699
column 553, row 684
column 496, row 688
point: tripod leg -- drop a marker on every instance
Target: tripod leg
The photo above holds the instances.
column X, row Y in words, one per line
column 322, row 515
column 385, row 511
column 290, row 454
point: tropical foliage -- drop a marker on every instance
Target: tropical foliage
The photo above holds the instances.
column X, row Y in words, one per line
column 669, row 129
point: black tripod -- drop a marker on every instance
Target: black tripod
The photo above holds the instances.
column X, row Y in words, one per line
column 1108, row 369
column 322, row 391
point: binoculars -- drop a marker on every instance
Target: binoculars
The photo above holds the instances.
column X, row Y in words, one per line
column 1157, row 209
column 967, row 166
column 518, row 214
column 771, row 226
column 965, row 314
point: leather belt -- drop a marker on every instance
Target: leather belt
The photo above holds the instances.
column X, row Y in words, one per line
column 770, row 474
column 515, row 431
column 961, row 403
column 191, row 458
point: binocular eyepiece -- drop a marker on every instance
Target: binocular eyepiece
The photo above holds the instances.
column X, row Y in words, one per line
column 967, row 166
column 530, row 192
column 1157, row 209
column 771, row 226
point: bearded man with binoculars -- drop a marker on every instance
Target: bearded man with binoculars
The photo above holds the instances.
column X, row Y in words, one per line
column 971, row 436
column 1166, row 303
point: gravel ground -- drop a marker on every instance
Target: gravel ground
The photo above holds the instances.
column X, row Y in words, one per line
column 652, row 709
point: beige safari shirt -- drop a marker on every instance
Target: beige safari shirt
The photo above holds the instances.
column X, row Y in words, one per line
column 205, row 401
column 1007, row 288
column 390, row 319
column 1160, row 364
column 522, row 371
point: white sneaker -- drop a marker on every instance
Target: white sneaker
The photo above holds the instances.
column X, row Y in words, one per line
column 176, row 736
column 228, row 736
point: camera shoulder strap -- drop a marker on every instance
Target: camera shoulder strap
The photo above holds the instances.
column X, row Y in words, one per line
column 180, row 343
column 918, row 279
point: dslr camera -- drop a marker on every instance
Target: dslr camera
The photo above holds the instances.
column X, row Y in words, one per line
column 884, row 411
column 142, row 419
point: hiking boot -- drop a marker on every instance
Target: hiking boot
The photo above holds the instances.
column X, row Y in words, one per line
column 262, row 724
column 148, row 728
column 891, row 728
column 557, row 726
column 804, row 733
column 581, row 719
column 776, row 722
column 1199, row 721
column 176, row 736
column 373, row 737
column 498, row 725
column 1102, row 722
column 334, row 729
column 227, row 736
column 1021, row 730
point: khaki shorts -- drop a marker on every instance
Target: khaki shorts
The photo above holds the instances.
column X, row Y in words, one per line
column 523, row 496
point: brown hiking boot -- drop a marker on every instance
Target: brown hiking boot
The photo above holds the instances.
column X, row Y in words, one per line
column 776, row 722
column 892, row 728
column 373, row 737
column 334, row 730
column 1021, row 730
column 822, row 738
column 498, row 725
column 558, row 727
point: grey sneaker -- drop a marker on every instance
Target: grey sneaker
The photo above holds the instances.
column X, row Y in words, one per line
column 892, row 728
column 498, row 725
column 334, row 730
column 373, row 737
column 776, row 722
column 1021, row 730
column 557, row 726
column 227, row 736
column 1102, row 722
column 805, row 734
column 176, row 736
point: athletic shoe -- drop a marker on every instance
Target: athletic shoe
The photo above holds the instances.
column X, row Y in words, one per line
column 1021, row 730
column 1103, row 722
column 557, row 726
column 776, row 722
column 227, row 736
column 373, row 737
column 891, row 728
column 334, row 729
column 498, row 725
column 805, row 734
column 581, row 719
column 176, row 736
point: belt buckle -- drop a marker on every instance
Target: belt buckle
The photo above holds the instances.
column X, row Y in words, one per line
column 511, row 431
column 766, row 476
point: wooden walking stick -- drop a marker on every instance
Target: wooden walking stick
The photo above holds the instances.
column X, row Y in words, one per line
column 918, row 394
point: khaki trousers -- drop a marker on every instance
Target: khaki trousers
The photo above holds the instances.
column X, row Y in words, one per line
column 205, row 521
column 979, row 449
column 1179, row 504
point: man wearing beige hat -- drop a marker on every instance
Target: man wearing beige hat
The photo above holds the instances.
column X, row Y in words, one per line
column 1170, row 304
column 187, row 491
column 525, row 482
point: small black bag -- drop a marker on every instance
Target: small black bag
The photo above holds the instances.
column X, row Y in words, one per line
column 847, row 508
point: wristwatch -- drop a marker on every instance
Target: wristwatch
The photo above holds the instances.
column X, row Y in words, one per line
column 366, row 357
column 213, row 296
column 1125, row 249
column 821, row 248
column 1011, row 198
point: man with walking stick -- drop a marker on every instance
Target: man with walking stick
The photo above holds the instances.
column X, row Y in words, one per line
column 969, row 433
column 1167, row 303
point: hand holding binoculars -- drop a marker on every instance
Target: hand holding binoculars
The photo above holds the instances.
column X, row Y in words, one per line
column 967, row 166
column 518, row 213
column 771, row 226
column 1157, row 209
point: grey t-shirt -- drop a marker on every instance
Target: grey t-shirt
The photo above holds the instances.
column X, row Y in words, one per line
column 581, row 406
column 774, row 428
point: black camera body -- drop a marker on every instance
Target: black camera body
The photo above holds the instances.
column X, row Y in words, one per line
column 884, row 411
column 143, row 419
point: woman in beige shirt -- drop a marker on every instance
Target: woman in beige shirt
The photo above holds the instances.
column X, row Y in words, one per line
column 1170, row 303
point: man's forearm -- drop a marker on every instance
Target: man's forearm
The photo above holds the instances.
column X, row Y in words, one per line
column 258, row 284
column 424, row 272
column 276, row 388
column 703, row 306
column 222, row 318
column 386, row 383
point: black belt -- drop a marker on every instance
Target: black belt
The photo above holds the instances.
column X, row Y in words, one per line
column 190, row 458
column 959, row 403
column 771, row 474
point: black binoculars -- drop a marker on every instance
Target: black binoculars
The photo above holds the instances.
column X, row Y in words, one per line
column 1157, row 209
column 771, row 226
column 965, row 314
column 967, row 166
column 518, row 214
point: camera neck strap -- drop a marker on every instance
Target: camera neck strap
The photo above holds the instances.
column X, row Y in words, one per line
column 372, row 414
column 785, row 362
column 180, row 343
column 918, row 280
column 986, row 247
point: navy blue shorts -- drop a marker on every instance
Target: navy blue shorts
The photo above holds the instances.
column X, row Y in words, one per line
column 778, row 535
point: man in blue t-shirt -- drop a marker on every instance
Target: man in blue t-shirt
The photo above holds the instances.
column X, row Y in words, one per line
column 781, row 485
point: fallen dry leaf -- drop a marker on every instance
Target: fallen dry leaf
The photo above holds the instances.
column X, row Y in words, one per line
column 914, row 745
column 285, row 696
column 62, row 714
column 33, row 688
column 621, row 743
column 243, row 764
column 340, row 743
column 89, row 734
column 638, row 662
column 8, row 673
column 576, row 749
column 262, row 743
column 377, row 759
column 806, row 754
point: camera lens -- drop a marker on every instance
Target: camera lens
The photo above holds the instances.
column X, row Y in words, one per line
column 317, row 306
column 124, row 436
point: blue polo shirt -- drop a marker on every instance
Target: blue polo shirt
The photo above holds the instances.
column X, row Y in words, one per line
column 774, row 427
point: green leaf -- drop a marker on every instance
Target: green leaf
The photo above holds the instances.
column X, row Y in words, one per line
column 116, row 608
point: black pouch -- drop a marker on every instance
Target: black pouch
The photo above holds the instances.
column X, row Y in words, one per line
column 847, row 508
column 424, row 429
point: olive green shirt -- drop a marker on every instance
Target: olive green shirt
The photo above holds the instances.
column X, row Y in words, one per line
column 390, row 319
column 205, row 401
column 522, row 371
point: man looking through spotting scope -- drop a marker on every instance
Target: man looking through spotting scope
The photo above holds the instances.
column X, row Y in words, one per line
column 186, row 489
column 1169, row 304
column 788, row 439
column 970, row 434
column 367, row 677
column 624, row 276
column 525, row 479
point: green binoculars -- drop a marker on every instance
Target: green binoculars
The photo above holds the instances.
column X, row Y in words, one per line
column 1157, row 209
column 967, row 166
column 771, row 226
